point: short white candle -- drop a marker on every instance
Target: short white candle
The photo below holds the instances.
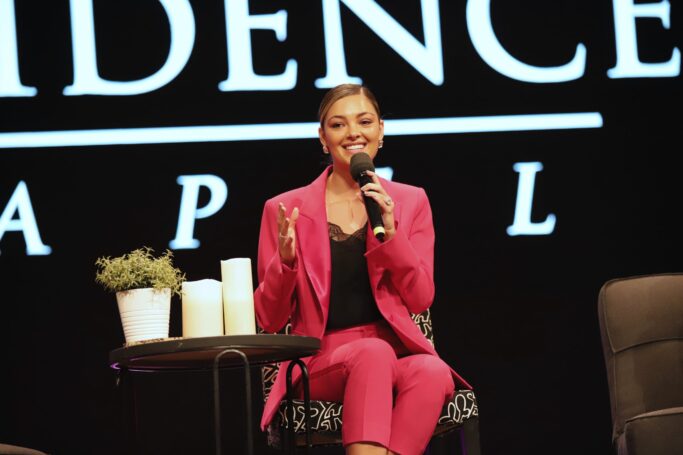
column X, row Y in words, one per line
column 238, row 297
column 202, row 308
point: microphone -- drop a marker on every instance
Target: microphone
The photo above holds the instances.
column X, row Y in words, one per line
column 360, row 163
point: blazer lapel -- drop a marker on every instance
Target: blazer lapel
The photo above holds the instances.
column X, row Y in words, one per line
column 313, row 239
column 372, row 242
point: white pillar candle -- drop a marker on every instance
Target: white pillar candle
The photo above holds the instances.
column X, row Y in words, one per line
column 202, row 308
column 238, row 297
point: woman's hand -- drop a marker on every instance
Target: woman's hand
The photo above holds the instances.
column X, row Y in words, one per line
column 386, row 204
column 287, row 235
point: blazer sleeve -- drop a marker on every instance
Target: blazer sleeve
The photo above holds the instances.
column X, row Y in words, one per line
column 274, row 296
column 409, row 257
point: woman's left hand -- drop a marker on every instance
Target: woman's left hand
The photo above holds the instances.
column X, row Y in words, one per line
column 386, row 204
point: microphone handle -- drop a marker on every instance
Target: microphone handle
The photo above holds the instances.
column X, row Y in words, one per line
column 373, row 210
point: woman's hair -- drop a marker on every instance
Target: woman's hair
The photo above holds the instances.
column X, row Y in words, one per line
column 342, row 91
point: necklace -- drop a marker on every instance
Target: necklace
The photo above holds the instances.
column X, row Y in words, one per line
column 342, row 212
column 338, row 201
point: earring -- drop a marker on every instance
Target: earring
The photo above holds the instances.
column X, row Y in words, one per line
column 325, row 150
column 381, row 143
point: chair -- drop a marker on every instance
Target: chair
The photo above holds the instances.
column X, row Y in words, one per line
column 460, row 413
column 641, row 326
column 6, row 449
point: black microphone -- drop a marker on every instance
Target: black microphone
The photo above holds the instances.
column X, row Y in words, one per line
column 360, row 163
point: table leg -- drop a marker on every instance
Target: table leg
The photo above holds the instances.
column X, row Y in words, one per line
column 217, row 401
column 124, row 382
column 289, row 409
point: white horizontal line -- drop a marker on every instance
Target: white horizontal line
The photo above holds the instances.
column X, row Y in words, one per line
column 493, row 123
column 304, row 130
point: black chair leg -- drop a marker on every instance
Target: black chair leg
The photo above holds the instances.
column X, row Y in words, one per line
column 469, row 437
column 290, row 406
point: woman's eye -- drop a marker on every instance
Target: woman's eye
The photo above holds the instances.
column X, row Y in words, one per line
column 366, row 121
column 336, row 125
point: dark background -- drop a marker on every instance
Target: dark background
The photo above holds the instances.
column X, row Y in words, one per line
column 516, row 316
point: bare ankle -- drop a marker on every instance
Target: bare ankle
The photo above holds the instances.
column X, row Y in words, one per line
column 366, row 448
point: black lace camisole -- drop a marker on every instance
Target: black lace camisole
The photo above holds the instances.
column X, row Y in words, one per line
column 351, row 299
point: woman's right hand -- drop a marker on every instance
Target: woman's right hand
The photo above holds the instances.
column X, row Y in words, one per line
column 287, row 234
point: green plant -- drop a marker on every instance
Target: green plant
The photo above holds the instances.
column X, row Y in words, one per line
column 139, row 269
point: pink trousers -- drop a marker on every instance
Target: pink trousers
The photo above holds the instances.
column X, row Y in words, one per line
column 390, row 397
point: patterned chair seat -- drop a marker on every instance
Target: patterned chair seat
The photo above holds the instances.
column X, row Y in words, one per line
column 326, row 416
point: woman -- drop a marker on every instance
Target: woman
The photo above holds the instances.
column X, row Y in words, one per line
column 320, row 266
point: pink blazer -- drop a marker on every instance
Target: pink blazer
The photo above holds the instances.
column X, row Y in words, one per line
column 401, row 272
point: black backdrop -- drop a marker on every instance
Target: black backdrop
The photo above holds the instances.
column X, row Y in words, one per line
column 515, row 315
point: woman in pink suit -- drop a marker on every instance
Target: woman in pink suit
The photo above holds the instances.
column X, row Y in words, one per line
column 320, row 265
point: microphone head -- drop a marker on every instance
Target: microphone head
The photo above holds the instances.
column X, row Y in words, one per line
column 361, row 162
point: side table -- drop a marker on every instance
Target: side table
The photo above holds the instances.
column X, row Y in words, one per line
column 214, row 353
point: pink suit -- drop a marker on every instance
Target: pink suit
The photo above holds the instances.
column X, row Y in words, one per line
column 401, row 276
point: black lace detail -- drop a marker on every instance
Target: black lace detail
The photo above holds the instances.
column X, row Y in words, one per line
column 338, row 235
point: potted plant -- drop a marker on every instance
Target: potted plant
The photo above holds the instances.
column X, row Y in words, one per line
column 143, row 285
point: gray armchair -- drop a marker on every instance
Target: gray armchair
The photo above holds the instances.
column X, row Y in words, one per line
column 6, row 449
column 641, row 325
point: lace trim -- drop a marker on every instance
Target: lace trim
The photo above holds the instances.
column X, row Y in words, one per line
column 338, row 235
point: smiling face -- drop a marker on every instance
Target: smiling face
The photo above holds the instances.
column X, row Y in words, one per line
column 351, row 125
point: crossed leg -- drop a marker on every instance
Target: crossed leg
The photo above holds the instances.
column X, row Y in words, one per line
column 390, row 405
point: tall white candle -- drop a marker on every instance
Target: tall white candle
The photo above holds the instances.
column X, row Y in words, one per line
column 202, row 308
column 238, row 297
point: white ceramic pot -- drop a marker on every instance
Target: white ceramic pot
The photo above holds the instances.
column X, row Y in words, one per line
column 144, row 313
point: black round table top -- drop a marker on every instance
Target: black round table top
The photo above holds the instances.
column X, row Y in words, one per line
column 199, row 353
